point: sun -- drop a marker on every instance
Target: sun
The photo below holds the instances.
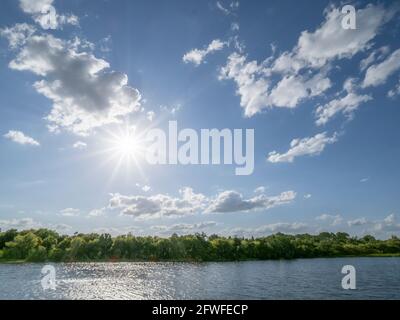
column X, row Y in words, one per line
column 122, row 149
column 126, row 145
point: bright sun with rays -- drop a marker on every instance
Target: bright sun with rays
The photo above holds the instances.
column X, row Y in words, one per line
column 125, row 149
column 126, row 145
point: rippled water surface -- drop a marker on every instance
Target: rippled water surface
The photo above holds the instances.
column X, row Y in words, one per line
column 377, row 278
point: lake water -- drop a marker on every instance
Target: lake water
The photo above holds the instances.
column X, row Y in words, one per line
column 377, row 278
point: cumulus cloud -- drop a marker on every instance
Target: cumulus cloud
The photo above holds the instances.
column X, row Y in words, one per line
column 197, row 56
column 160, row 205
column 300, row 147
column 381, row 228
column 302, row 73
column 357, row 222
column 189, row 202
column 85, row 93
column 44, row 13
column 233, row 201
column 20, row 138
column 254, row 85
column 388, row 225
column 377, row 74
column 331, row 41
column 347, row 104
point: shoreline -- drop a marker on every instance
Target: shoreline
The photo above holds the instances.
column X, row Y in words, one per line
column 20, row 262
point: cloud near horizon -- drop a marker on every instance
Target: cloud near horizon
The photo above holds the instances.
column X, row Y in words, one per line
column 190, row 203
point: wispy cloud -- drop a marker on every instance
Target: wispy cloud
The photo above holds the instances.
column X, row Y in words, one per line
column 20, row 138
column 197, row 56
column 300, row 147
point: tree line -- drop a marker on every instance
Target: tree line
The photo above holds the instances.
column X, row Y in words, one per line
column 46, row 245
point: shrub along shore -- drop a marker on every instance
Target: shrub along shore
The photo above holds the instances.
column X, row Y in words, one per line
column 45, row 245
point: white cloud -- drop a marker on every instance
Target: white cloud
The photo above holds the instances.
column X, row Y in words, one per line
column 18, row 34
column 301, row 73
column 292, row 89
column 19, row 224
column 377, row 74
column 97, row 212
column 389, row 225
column 233, row 201
column 228, row 10
column 160, row 205
column 84, row 92
column 80, row 145
column 301, row 147
column 307, row 196
column 21, row 138
column 197, row 56
column 44, row 13
column 189, row 202
column 254, row 85
column 357, row 222
column 331, row 41
column 29, row 223
column 146, row 188
column 346, row 104
column 395, row 91
column 377, row 54
column 70, row 212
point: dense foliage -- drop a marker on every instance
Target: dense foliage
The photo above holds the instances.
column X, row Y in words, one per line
column 46, row 245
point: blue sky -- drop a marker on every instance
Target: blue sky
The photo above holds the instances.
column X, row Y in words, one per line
column 323, row 102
